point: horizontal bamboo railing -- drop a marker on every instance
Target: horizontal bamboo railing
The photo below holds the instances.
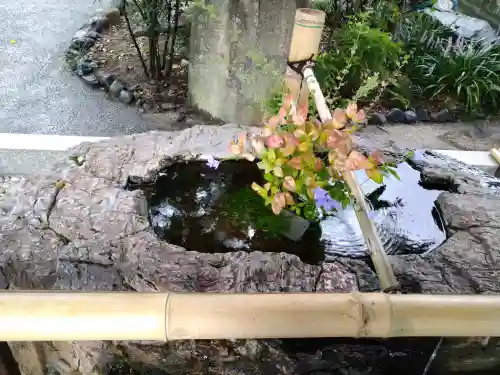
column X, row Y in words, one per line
column 62, row 316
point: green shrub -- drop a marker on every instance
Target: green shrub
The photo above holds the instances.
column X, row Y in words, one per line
column 445, row 68
column 384, row 13
column 361, row 59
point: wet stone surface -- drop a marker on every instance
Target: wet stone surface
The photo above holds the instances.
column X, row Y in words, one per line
column 98, row 238
column 215, row 211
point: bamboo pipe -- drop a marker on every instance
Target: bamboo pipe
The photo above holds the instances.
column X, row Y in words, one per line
column 306, row 38
column 495, row 154
column 63, row 316
column 378, row 255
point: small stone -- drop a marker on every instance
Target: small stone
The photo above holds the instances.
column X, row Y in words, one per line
column 423, row 115
column 91, row 79
column 82, row 44
column 113, row 15
column 115, row 88
column 84, row 67
column 377, row 118
column 126, row 97
column 106, row 79
column 443, row 115
column 99, row 23
column 168, row 106
column 82, row 33
column 93, row 34
column 71, row 53
column 135, row 87
column 410, row 117
column 396, row 115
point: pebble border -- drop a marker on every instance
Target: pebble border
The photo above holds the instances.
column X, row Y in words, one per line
column 89, row 71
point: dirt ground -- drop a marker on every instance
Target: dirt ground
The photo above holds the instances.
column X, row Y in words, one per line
column 117, row 54
column 166, row 101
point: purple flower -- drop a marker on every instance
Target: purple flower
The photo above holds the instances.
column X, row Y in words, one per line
column 324, row 201
column 212, row 163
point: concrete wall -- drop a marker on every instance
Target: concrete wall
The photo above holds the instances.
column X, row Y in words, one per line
column 238, row 55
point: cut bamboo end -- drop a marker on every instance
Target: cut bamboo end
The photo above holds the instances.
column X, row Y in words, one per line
column 306, row 39
column 495, row 154
column 306, row 34
column 63, row 316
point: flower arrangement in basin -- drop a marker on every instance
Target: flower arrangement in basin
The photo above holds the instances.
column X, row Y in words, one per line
column 303, row 160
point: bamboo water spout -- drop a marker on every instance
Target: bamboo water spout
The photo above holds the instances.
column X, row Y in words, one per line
column 77, row 316
column 305, row 42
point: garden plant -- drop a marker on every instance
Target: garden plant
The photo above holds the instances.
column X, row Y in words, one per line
column 303, row 160
column 386, row 54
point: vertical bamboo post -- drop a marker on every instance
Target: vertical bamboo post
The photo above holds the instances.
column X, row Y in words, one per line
column 388, row 280
column 306, row 38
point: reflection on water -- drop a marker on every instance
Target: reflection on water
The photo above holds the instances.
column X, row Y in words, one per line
column 405, row 216
column 209, row 210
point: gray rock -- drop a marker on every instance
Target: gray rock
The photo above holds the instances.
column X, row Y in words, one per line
column 91, row 79
column 82, row 44
column 377, row 119
column 100, row 240
column 396, row 115
column 82, row 33
column 99, row 23
column 410, row 117
column 113, row 15
column 126, row 96
column 443, row 115
column 475, row 138
column 84, row 67
column 106, row 79
column 93, row 34
column 72, row 53
column 423, row 115
column 115, row 88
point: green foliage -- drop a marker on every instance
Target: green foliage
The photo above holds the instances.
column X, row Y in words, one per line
column 360, row 62
column 245, row 208
column 383, row 13
column 159, row 21
column 448, row 69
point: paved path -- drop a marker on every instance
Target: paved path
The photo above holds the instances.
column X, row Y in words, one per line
column 37, row 94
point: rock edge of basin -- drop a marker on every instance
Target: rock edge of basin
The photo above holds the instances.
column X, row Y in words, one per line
column 100, row 239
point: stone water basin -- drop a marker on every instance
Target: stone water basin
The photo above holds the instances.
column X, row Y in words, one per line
column 215, row 210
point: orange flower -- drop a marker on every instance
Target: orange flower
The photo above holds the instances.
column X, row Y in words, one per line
column 334, row 138
column 351, row 110
column 339, row 118
column 289, row 183
column 295, row 163
column 278, row 203
column 274, row 141
column 356, row 160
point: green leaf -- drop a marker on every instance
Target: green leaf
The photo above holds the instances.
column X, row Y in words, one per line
column 309, row 211
column 393, row 173
column 271, row 156
column 375, row 175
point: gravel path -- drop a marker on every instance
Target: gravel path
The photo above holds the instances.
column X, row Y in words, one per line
column 37, row 93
